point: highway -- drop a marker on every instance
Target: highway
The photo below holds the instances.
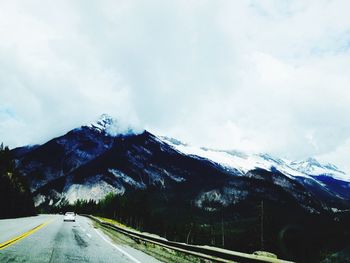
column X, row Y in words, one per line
column 46, row 238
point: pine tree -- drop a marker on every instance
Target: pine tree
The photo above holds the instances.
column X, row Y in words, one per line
column 15, row 197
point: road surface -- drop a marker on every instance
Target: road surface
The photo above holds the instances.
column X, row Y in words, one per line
column 46, row 238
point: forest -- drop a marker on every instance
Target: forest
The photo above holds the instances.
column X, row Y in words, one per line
column 15, row 197
column 290, row 233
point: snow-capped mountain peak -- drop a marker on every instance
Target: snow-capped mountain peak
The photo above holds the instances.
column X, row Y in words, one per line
column 307, row 163
column 103, row 123
column 113, row 126
column 244, row 162
column 313, row 167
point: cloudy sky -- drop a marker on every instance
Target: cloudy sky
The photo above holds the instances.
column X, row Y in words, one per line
column 260, row 76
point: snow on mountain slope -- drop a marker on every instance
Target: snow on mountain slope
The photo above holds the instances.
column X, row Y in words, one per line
column 239, row 160
column 311, row 166
column 244, row 162
column 127, row 179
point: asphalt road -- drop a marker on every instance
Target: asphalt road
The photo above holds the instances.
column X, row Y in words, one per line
column 58, row 241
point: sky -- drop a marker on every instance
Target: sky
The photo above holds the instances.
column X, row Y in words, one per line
column 257, row 76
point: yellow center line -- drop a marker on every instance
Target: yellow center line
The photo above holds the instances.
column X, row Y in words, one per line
column 18, row 238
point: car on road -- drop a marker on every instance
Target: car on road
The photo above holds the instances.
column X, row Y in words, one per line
column 69, row 216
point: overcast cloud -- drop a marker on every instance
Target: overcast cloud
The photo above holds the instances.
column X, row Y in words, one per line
column 261, row 76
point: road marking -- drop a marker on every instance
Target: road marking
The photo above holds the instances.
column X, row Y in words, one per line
column 18, row 238
column 118, row 248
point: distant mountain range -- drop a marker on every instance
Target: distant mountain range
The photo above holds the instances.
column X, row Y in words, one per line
column 93, row 160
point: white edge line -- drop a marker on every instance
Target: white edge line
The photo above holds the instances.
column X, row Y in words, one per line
column 118, row 248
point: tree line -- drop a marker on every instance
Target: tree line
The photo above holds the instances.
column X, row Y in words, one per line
column 174, row 220
column 15, row 197
column 287, row 232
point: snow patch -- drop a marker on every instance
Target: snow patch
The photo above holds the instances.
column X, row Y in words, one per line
column 127, row 179
column 214, row 199
column 177, row 179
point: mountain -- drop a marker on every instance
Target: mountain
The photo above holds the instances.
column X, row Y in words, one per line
column 189, row 194
column 325, row 181
column 245, row 162
column 93, row 160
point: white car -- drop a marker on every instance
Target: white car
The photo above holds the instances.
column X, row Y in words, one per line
column 69, row 216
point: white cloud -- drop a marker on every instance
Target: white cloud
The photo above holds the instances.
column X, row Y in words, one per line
column 340, row 155
column 259, row 76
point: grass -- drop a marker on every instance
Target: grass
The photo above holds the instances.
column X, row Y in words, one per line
column 114, row 222
column 156, row 251
column 159, row 252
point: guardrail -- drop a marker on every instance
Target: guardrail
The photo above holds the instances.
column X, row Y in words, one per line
column 204, row 252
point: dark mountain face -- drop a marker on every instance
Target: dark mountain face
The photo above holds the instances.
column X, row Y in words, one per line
column 88, row 163
column 62, row 155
